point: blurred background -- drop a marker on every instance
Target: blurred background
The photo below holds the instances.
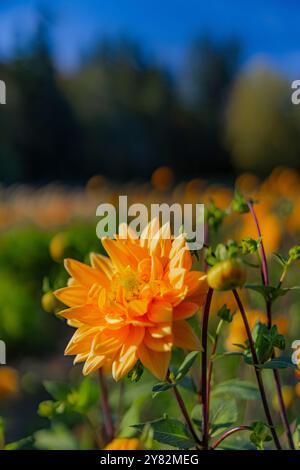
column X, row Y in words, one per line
column 162, row 101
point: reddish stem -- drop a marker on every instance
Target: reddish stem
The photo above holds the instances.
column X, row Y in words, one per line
column 107, row 417
column 204, row 381
column 257, row 371
column 184, row 411
column 229, row 433
column 265, row 279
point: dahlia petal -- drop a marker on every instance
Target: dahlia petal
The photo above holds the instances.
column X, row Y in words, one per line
column 118, row 254
column 183, row 259
column 149, row 232
column 85, row 331
column 177, row 244
column 109, row 341
column 161, row 330
column 135, row 336
column 158, row 344
column 72, row 296
column 177, row 277
column 125, row 363
column 103, row 264
column 81, row 346
column 92, row 363
column 84, row 274
column 175, row 296
column 80, row 358
column 126, row 232
column 160, row 312
column 157, row 269
column 184, row 310
column 137, row 307
column 89, row 314
column 195, row 280
column 156, row 362
column 184, row 336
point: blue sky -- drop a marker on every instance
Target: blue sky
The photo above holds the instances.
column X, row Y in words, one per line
column 269, row 30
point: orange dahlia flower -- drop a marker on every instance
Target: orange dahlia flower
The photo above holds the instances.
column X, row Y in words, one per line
column 124, row 443
column 134, row 304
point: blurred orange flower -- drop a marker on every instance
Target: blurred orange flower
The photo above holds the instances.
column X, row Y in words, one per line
column 9, row 382
column 288, row 395
column 122, row 443
column 134, row 304
column 270, row 227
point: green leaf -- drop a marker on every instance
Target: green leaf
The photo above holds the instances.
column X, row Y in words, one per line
column 186, row 365
column 270, row 293
column 278, row 363
column 56, row 438
column 136, row 372
column 265, row 340
column 227, row 354
column 169, row 431
column 2, row 433
column 87, row 395
column 25, row 443
column 238, row 389
column 58, row 390
column 260, row 434
column 249, row 245
column 162, row 387
column 294, row 253
column 132, row 416
column 280, row 259
column 239, row 203
column 46, row 409
column 223, row 413
column 225, row 314
column 214, row 216
column 296, row 434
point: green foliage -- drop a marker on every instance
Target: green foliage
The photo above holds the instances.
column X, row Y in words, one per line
column 265, row 340
column 249, row 246
column 136, row 373
column 294, row 253
column 225, row 314
column 239, row 203
column 278, row 363
column 260, row 435
column 132, row 416
column 270, row 293
column 178, row 377
column 222, row 252
column 58, row 437
column 70, row 403
column 214, row 216
column 296, row 434
column 236, row 388
column 169, row 431
column 223, row 414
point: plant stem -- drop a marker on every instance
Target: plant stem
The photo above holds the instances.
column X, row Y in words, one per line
column 257, row 371
column 265, row 274
column 210, row 362
column 204, row 377
column 184, row 412
column 107, row 417
column 265, row 278
column 229, row 433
